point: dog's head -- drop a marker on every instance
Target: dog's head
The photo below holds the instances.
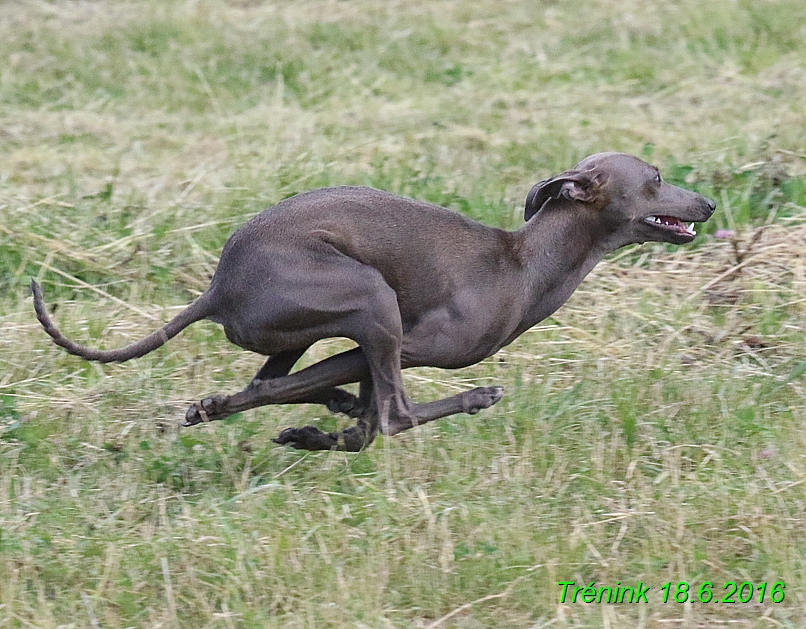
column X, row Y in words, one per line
column 628, row 197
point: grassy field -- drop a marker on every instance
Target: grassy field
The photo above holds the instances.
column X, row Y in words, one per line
column 653, row 430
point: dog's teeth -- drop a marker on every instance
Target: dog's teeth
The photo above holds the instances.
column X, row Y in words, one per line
column 691, row 227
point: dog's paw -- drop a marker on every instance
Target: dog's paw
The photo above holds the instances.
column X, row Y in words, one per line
column 346, row 403
column 209, row 409
column 481, row 398
column 307, row 438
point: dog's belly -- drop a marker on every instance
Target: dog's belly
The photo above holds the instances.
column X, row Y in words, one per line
column 449, row 340
column 269, row 341
column 267, row 345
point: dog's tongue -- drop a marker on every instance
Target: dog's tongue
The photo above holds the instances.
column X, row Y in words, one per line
column 671, row 220
column 675, row 223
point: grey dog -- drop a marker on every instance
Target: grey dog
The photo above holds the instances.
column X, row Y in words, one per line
column 413, row 284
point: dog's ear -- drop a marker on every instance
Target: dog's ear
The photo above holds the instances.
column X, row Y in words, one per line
column 573, row 185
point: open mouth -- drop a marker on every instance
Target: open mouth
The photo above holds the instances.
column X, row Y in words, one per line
column 672, row 224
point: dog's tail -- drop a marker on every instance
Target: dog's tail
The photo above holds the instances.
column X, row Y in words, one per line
column 196, row 311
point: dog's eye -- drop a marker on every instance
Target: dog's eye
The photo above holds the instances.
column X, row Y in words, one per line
column 657, row 178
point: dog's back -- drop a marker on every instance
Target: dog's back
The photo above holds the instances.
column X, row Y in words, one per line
column 402, row 238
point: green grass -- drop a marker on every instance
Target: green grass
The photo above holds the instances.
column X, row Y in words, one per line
column 652, row 430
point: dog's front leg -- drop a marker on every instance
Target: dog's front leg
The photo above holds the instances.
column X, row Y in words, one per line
column 302, row 386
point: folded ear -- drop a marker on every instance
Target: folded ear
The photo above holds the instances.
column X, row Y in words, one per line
column 573, row 185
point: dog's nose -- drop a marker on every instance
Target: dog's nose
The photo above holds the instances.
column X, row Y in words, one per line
column 711, row 205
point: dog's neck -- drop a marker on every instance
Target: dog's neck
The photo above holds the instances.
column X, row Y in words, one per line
column 558, row 247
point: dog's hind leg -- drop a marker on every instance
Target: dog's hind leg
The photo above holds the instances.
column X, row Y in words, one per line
column 470, row 402
column 360, row 435
column 377, row 328
column 341, row 298
column 323, row 377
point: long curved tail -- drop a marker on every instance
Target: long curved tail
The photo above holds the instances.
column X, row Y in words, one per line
column 196, row 311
